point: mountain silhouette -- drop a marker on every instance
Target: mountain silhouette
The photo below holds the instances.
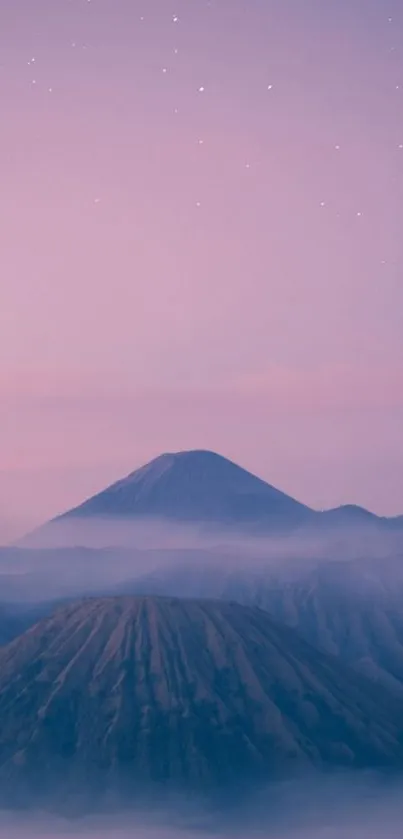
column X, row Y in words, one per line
column 115, row 694
column 202, row 489
column 193, row 486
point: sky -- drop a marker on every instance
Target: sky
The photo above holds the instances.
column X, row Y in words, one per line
column 201, row 209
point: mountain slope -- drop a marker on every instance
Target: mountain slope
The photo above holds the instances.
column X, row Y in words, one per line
column 349, row 609
column 352, row 609
column 115, row 693
column 194, row 486
column 14, row 620
column 178, row 491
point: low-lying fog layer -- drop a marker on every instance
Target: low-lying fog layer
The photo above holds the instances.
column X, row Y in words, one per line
column 35, row 570
column 154, row 534
column 343, row 809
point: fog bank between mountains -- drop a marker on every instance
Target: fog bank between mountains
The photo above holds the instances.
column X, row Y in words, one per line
column 154, row 533
column 181, row 561
column 343, row 807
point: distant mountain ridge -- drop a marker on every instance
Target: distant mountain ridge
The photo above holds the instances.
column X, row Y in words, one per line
column 193, row 486
column 203, row 488
column 352, row 609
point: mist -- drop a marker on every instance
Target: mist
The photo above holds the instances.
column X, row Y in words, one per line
column 375, row 537
column 337, row 807
column 78, row 557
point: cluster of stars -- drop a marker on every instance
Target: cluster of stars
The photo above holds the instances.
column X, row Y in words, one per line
column 200, row 90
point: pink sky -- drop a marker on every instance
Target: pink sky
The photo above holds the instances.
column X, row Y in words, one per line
column 243, row 293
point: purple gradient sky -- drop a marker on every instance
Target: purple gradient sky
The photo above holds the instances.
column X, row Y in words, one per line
column 217, row 268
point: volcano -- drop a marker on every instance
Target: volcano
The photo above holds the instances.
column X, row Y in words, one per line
column 193, row 486
column 116, row 694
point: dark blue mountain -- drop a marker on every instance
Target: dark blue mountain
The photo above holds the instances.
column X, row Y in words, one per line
column 203, row 489
column 195, row 486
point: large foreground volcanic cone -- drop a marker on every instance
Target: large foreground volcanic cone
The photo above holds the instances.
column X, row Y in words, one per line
column 118, row 693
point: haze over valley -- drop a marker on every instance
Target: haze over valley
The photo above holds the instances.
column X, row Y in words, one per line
column 201, row 419
column 263, row 640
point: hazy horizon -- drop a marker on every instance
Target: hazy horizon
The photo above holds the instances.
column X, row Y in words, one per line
column 343, row 806
column 201, row 246
column 201, row 212
column 14, row 529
